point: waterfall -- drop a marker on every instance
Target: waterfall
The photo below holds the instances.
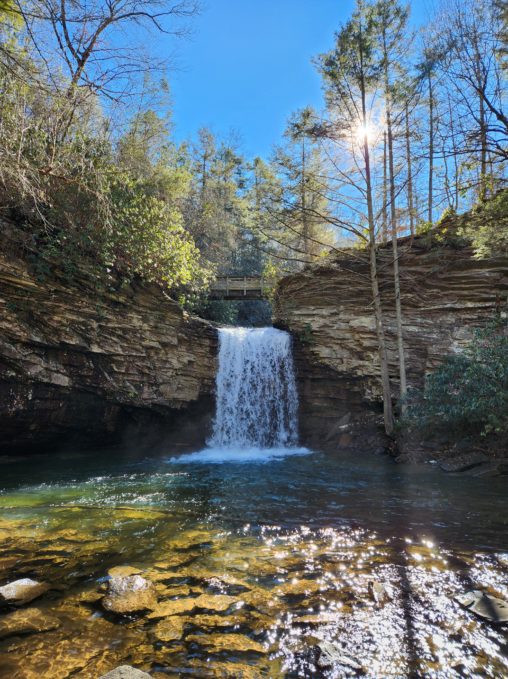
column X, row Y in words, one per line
column 256, row 417
column 257, row 402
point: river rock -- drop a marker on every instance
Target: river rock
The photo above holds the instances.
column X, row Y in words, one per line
column 27, row 621
column 378, row 592
column 332, row 655
column 461, row 463
column 486, row 606
column 22, row 591
column 170, row 629
column 129, row 594
column 218, row 643
column 125, row 672
column 123, row 571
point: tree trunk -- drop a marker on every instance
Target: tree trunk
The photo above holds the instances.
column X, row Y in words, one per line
column 431, row 149
column 307, row 245
column 482, row 194
column 376, row 296
column 395, row 248
column 384, row 223
column 410, row 200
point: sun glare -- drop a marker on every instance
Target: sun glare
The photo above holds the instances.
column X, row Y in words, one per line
column 365, row 132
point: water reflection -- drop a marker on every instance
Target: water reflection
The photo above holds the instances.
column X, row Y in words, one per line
column 310, row 567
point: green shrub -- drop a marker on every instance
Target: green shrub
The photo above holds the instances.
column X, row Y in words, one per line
column 487, row 228
column 469, row 391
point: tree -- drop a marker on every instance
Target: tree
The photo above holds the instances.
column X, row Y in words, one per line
column 81, row 34
column 468, row 44
column 215, row 211
column 392, row 19
column 352, row 74
column 300, row 209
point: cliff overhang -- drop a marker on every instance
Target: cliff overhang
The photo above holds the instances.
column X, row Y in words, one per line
column 83, row 365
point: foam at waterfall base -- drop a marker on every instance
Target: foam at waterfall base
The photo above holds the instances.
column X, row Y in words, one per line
column 236, row 455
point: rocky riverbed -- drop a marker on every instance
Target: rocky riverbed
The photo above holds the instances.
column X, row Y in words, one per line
column 159, row 568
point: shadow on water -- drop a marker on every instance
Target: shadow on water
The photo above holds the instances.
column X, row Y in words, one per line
column 294, row 543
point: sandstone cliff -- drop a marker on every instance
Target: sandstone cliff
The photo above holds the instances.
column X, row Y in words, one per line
column 81, row 367
column 445, row 293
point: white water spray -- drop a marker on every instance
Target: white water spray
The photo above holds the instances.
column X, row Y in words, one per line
column 256, row 416
column 257, row 402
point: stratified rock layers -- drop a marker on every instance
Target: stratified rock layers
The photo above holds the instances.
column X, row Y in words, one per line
column 445, row 293
column 85, row 367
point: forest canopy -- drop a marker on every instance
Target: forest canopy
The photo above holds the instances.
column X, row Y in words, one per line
column 90, row 168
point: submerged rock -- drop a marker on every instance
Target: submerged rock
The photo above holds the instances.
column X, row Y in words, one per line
column 27, row 621
column 332, row 655
column 125, row 672
column 170, row 629
column 129, row 594
column 486, row 606
column 22, row 591
column 123, row 571
column 378, row 592
column 228, row 642
column 210, row 602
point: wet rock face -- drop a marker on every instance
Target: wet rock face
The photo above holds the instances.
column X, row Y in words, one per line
column 88, row 367
column 445, row 292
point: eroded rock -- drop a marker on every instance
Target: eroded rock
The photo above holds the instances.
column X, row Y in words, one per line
column 463, row 462
column 328, row 308
column 378, row 592
column 332, row 655
column 123, row 571
column 211, row 602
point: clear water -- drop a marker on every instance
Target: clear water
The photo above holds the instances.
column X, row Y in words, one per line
column 293, row 542
column 261, row 562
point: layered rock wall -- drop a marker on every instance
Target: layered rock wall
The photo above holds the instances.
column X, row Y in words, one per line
column 80, row 367
column 446, row 292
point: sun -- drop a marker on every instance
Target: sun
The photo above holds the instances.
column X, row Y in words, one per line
column 364, row 133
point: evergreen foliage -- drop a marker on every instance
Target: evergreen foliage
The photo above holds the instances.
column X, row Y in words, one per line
column 468, row 393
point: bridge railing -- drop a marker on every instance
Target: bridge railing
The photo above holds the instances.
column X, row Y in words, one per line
column 238, row 286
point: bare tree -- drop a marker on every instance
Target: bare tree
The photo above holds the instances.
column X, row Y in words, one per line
column 81, row 45
column 352, row 76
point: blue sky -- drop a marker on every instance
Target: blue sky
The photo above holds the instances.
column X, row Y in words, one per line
column 247, row 66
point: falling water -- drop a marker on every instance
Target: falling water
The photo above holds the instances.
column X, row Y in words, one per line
column 257, row 401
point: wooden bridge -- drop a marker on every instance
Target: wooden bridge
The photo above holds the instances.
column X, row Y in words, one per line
column 239, row 287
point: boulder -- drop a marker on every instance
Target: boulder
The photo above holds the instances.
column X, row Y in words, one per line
column 129, row 594
column 27, row 621
column 22, row 591
column 463, row 462
column 125, row 672
column 486, row 606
